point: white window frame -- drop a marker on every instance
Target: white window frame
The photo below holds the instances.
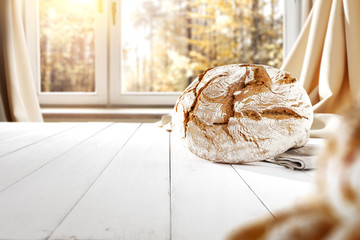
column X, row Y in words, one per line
column 129, row 98
column 108, row 50
column 68, row 98
column 295, row 15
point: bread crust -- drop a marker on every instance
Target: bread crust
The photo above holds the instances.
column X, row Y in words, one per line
column 242, row 113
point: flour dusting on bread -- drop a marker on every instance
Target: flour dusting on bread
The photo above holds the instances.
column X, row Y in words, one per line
column 242, row 113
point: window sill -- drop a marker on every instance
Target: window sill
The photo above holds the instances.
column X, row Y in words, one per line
column 104, row 114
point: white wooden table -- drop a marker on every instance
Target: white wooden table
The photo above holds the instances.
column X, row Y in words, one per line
column 128, row 181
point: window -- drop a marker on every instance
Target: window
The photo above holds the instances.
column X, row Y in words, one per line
column 144, row 52
column 67, row 43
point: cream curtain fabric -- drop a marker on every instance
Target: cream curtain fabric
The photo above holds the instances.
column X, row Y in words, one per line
column 16, row 80
column 326, row 60
column 306, row 6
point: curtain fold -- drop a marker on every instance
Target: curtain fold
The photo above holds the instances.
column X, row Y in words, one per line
column 325, row 59
column 17, row 88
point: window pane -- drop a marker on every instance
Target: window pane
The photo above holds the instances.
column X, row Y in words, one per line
column 67, row 35
column 167, row 43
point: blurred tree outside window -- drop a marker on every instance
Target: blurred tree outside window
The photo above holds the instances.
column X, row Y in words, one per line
column 67, row 45
column 165, row 44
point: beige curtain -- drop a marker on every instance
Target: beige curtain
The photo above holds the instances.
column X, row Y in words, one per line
column 19, row 100
column 306, row 6
column 326, row 59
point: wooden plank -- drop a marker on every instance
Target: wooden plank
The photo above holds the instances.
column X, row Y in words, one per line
column 9, row 130
column 19, row 164
column 19, row 124
column 311, row 173
column 276, row 186
column 46, row 130
column 130, row 200
column 208, row 200
column 32, row 208
column 5, row 125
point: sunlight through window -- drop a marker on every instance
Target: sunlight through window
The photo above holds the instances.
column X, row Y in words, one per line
column 67, row 35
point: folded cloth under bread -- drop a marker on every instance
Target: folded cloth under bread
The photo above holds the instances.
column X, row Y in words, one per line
column 296, row 158
column 165, row 122
column 300, row 158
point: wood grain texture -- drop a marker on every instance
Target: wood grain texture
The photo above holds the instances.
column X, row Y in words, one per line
column 130, row 200
column 208, row 200
column 33, row 208
column 19, row 164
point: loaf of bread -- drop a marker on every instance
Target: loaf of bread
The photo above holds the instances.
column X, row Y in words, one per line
column 333, row 211
column 243, row 113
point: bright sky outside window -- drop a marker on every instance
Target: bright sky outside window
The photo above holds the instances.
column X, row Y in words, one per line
column 67, row 35
column 167, row 43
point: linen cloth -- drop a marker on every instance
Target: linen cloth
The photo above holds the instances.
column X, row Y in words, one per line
column 300, row 158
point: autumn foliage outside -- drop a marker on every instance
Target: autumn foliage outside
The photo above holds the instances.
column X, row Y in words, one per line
column 165, row 43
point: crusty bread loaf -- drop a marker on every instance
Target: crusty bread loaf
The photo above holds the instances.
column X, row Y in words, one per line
column 333, row 211
column 242, row 113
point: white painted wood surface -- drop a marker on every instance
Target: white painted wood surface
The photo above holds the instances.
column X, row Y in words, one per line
column 33, row 208
column 16, row 129
column 18, row 141
column 128, row 181
column 130, row 200
column 276, row 186
column 14, row 167
column 208, row 200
